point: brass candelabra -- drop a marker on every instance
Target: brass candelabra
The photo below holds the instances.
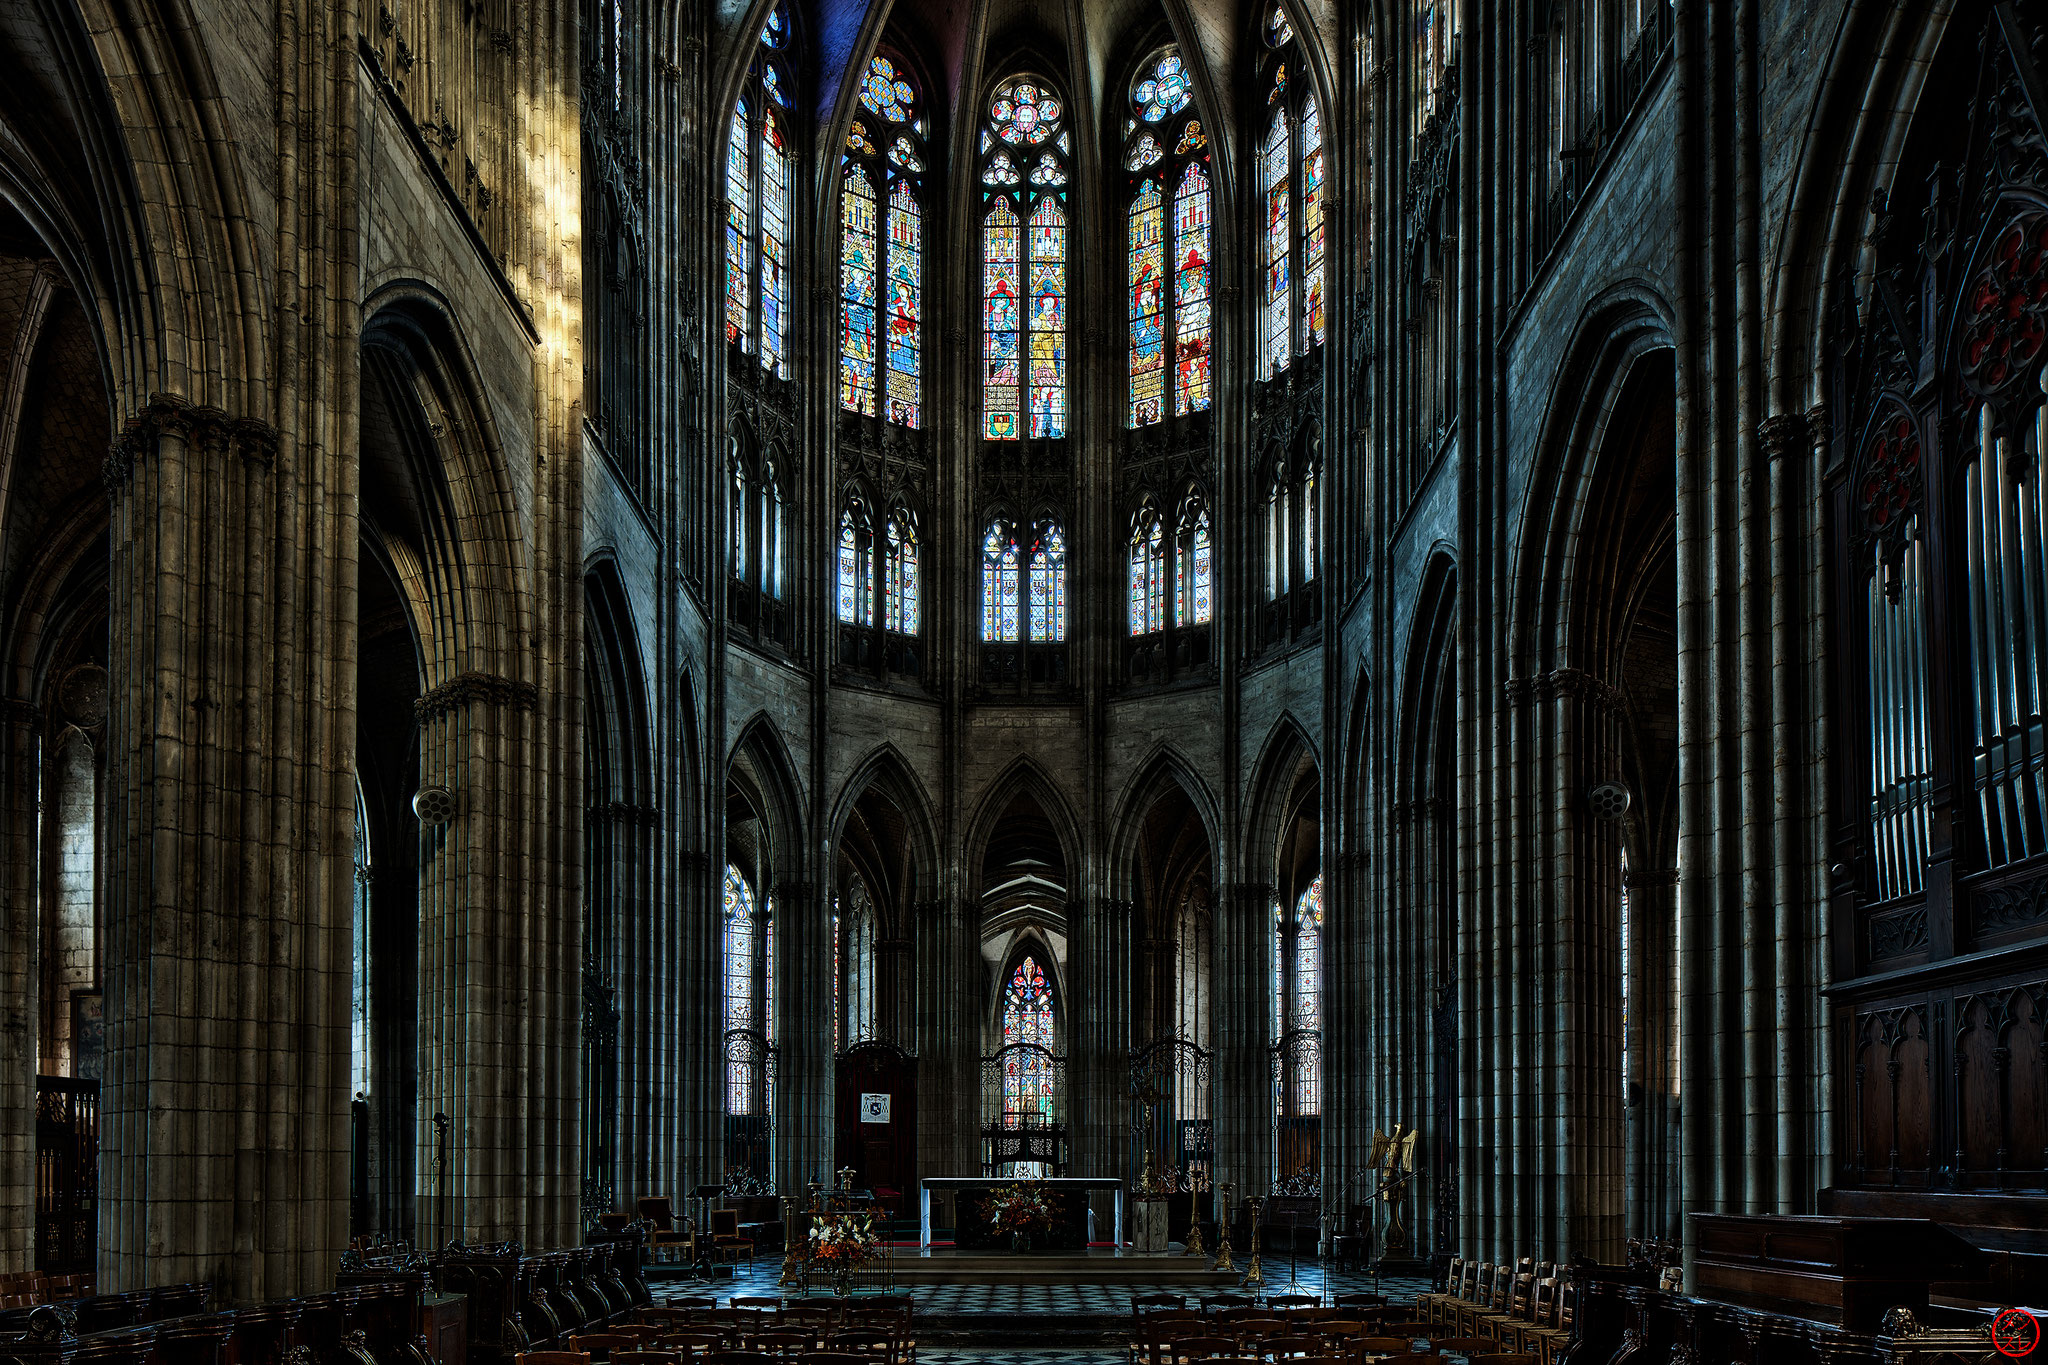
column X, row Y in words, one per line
column 1223, row 1261
column 1254, row 1274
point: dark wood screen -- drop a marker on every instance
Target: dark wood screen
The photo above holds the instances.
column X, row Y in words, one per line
column 67, row 1174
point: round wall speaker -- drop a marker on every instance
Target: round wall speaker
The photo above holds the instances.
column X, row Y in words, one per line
column 1609, row 800
column 434, row 805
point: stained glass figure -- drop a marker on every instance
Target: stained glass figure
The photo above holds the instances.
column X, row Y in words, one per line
column 858, row 143
column 1312, row 223
column 1028, row 1019
column 775, row 32
column 1278, row 31
column 1169, row 257
column 1148, row 305
column 1049, row 585
column 739, row 191
column 885, row 92
column 1048, row 324
column 1279, row 86
column 776, row 176
column 1002, row 171
column 857, row 293
column 1279, row 233
column 1165, row 90
column 999, row 574
column 771, row 77
column 905, row 305
column 1001, row 323
column 905, row 155
column 1191, row 292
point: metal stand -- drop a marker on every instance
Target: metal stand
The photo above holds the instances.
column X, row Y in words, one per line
column 1254, row 1274
column 1223, row 1261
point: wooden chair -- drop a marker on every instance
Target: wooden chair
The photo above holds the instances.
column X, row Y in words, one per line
column 1282, row 1302
column 755, row 1300
column 660, row 1215
column 870, row 1343
column 693, row 1345
column 725, row 1235
column 1517, row 1358
column 647, row 1357
column 1463, row 1346
column 1293, row 1348
column 600, row 1345
column 1217, row 1302
column 740, row 1358
column 1205, row 1348
column 551, row 1358
column 1360, row 1300
column 1379, row 1346
column 784, row 1342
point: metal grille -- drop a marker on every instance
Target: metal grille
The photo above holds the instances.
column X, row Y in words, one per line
column 67, row 1174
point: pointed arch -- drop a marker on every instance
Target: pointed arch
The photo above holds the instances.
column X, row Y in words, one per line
column 1023, row 775
column 760, row 770
column 1165, row 768
column 1287, row 756
column 885, row 770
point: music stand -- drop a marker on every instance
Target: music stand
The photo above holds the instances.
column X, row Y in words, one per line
column 704, row 1194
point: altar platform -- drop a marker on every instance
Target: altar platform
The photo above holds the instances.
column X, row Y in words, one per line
column 1097, row 1266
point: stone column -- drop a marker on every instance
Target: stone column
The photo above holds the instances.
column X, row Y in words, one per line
column 895, row 989
column 1099, row 1018
column 18, row 982
column 1242, row 1031
column 948, row 1042
column 229, row 816
column 803, row 1038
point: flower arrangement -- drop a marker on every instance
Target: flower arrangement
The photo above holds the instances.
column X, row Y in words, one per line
column 1023, row 1209
column 844, row 1242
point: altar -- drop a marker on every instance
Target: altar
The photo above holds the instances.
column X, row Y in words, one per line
column 969, row 1191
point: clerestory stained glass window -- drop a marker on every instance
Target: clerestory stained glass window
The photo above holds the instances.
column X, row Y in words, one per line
column 1168, row 251
column 900, row 595
column 1024, row 175
column 1294, row 185
column 1048, row 582
column 1279, row 243
column 1001, row 564
column 881, row 253
column 1193, row 591
column 760, row 185
column 741, row 951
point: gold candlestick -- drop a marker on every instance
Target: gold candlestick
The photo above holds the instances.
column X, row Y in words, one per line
column 1254, row 1276
column 792, row 1262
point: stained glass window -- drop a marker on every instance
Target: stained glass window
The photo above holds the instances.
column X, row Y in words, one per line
column 1000, row 564
column 857, row 288
column 1165, row 89
column 1193, row 578
column 1308, row 525
column 1148, row 305
column 1049, row 584
column 891, row 257
column 1278, row 31
column 776, row 175
column 1168, row 256
column 1308, row 957
column 1148, row 575
column 739, row 519
column 1028, row 1019
column 906, row 257
column 1191, row 292
column 1048, row 320
column 1024, row 264
column 885, row 92
column 1273, row 177
column 739, row 191
column 1001, row 370
column 1312, row 223
column 1277, row 528
column 742, row 994
column 849, row 567
column 900, row 603
column 760, row 182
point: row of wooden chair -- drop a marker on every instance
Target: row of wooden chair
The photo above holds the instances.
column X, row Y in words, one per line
column 1226, row 1303
column 27, row 1288
column 722, row 1357
column 1527, row 1307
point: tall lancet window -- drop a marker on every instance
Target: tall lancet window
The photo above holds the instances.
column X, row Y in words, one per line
column 1298, row 989
column 1001, row 565
column 1023, row 150
column 881, row 251
column 1023, row 582
column 1193, row 574
column 1166, row 164
column 1148, row 572
column 743, row 951
column 1027, row 1019
column 1293, row 179
column 1048, row 577
column 900, row 581
column 760, row 183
